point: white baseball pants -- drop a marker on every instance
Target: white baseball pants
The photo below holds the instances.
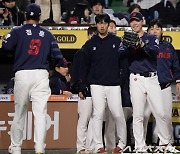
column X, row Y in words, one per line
column 30, row 85
column 167, row 103
column 84, row 132
column 110, row 135
column 111, row 96
column 141, row 90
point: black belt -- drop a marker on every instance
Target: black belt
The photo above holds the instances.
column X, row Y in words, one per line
column 146, row 74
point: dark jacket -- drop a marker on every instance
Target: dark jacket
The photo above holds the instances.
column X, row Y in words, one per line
column 167, row 14
column 168, row 63
column 75, row 81
column 76, row 77
column 17, row 18
column 143, row 59
column 58, row 82
column 100, row 61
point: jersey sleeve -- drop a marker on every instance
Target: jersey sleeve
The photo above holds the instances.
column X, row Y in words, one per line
column 151, row 46
column 85, row 65
column 53, row 82
column 175, row 65
column 56, row 54
column 10, row 41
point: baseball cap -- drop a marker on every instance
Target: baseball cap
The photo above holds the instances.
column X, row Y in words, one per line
column 33, row 10
column 136, row 16
column 63, row 63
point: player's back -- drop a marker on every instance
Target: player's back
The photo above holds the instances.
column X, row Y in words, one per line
column 32, row 45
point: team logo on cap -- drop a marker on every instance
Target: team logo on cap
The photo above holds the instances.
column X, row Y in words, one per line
column 133, row 14
column 32, row 13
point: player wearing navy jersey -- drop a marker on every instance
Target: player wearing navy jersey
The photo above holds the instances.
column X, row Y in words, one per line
column 100, row 70
column 84, row 141
column 168, row 71
column 34, row 48
column 110, row 135
column 144, row 85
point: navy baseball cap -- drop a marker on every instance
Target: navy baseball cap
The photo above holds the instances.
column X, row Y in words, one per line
column 63, row 63
column 33, row 10
column 136, row 16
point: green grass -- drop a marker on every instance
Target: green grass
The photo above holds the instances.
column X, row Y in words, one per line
column 117, row 6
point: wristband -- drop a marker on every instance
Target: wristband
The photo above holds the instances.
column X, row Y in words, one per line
column 177, row 81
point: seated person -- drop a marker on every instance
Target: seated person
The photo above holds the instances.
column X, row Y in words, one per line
column 10, row 14
column 126, row 15
column 97, row 7
column 80, row 14
column 57, row 81
column 168, row 12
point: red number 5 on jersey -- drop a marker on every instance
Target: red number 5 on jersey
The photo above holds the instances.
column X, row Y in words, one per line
column 34, row 46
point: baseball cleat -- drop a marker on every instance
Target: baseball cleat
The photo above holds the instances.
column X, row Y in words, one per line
column 14, row 150
column 101, row 150
column 117, row 150
column 82, row 151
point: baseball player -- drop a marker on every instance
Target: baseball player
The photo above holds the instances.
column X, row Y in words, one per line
column 100, row 70
column 84, row 141
column 35, row 47
column 168, row 70
column 110, row 135
column 144, row 84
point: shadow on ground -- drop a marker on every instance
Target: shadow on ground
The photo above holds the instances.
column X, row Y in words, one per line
column 63, row 151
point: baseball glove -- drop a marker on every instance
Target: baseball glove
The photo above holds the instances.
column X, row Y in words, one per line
column 131, row 39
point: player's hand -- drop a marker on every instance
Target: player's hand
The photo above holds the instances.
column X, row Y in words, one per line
column 67, row 93
column 5, row 14
column 178, row 88
column 84, row 91
column 68, row 77
column 81, row 96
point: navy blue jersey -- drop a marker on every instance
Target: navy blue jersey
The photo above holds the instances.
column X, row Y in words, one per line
column 34, row 47
column 100, row 61
column 168, row 63
column 76, row 77
column 143, row 59
column 124, row 74
column 58, row 82
column 77, row 60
